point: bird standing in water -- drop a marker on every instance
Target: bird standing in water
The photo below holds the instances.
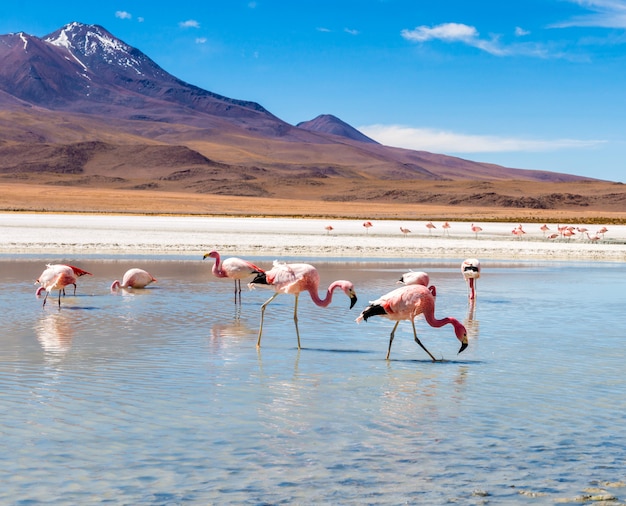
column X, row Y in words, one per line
column 406, row 303
column 233, row 268
column 296, row 278
column 56, row 277
column 470, row 268
column 134, row 278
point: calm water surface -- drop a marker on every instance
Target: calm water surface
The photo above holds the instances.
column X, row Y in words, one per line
column 159, row 396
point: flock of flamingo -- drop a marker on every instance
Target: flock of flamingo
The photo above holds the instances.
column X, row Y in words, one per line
column 562, row 231
column 407, row 302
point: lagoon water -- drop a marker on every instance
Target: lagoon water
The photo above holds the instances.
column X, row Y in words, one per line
column 159, row 396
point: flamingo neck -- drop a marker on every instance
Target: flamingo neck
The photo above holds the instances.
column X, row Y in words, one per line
column 326, row 300
column 434, row 322
column 472, row 288
column 217, row 267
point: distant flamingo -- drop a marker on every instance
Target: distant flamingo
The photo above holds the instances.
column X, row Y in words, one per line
column 329, row 229
column 367, row 225
column 233, row 268
column 405, row 231
column 430, row 226
column 594, row 238
column 296, row 278
column 476, row 229
column 133, row 278
column 582, row 231
column 55, row 277
column 407, row 302
column 602, row 231
column 553, row 236
column 518, row 232
column 446, row 228
column 544, row 228
column 470, row 268
column 418, row 278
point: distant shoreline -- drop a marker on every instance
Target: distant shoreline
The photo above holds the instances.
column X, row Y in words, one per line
column 71, row 234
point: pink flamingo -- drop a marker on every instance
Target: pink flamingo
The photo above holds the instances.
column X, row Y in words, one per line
column 407, row 302
column 405, row 231
column 55, row 277
column 233, row 268
column 430, row 226
column 329, row 229
column 417, row 278
column 78, row 272
column 296, row 278
column 476, row 229
column 594, row 238
column 367, row 225
column 470, row 268
column 446, row 228
column 602, row 231
column 552, row 236
column 133, row 278
column 544, row 228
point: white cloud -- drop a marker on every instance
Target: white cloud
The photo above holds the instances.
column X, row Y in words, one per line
column 201, row 40
column 190, row 23
column 322, row 29
column 123, row 15
column 441, row 141
column 455, row 32
column 520, row 32
column 603, row 14
column 351, row 31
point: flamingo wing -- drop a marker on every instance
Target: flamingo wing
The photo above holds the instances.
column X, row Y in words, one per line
column 237, row 268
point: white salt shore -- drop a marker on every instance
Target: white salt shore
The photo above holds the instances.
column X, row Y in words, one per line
column 78, row 234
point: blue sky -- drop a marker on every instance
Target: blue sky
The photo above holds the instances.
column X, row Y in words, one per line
column 533, row 84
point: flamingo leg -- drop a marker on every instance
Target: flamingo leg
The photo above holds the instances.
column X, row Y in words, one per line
column 59, row 298
column 420, row 342
column 45, row 299
column 237, row 290
column 295, row 319
column 258, row 343
column 393, row 333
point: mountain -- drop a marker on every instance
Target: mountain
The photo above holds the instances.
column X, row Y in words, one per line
column 81, row 107
column 327, row 123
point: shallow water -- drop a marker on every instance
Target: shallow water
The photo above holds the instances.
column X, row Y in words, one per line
column 159, row 396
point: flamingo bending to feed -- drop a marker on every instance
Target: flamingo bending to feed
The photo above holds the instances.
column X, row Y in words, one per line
column 233, row 268
column 296, row 278
column 407, row 302
column 78, row 272
column 133, row 278
column 417, row 278
column 470, row 268
column 55, row 277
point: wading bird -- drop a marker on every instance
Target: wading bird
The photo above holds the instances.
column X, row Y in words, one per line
column 133, row 278
column 470, row 268
column 367, row 225
column 407, row 302
column 476, row 229
column 405, row 231
column 233, row 268
column 296, row 278
column 417, row 278
column 78, row 272
column 55, row 277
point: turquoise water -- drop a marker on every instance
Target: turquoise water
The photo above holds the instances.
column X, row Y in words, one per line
column 159, row 396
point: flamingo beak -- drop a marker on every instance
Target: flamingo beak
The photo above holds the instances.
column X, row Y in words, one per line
column 352, row 300
column 463, row 346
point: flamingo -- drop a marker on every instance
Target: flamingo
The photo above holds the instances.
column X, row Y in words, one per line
column 602, row 231
column 476, row 229
column 470, row 268
column 417, row 278
column 233, row 268
column 296, row 278
column 407, row 302
column 133, row 278
column 544, row 228
column 430, row 227
column 446, row 227
column 329, row 229
column 405, row 231
column 78, row 272
column 55, row 277
column 367, row 225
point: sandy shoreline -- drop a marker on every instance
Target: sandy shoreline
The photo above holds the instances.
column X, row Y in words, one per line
column 80, row 234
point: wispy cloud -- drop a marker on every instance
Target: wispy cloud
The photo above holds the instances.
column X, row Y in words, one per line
column 602, row 14
column 441, row 141
column 190, row 23
column 123, row 15
column 201, row 40
column 351, row 31
column 469, row 35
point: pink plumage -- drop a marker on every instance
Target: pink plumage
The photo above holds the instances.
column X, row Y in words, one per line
column 294, row 279
column 134, row 278
column 55, row 277
column 233, row 268
column 406, row 303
